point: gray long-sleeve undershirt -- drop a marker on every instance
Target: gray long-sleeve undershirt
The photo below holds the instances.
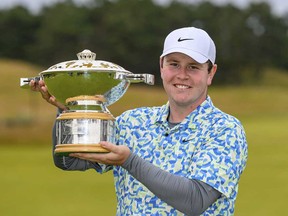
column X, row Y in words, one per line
column 191, row 197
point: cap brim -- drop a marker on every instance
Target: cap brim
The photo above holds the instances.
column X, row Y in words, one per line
column 194, row 55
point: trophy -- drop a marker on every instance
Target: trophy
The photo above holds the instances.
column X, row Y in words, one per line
column 86, row 86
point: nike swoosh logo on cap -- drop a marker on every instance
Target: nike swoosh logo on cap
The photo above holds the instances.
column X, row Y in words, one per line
column 184, row 39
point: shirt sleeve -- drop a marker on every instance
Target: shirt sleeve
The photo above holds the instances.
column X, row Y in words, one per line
column 220, row 161
column 191, row 197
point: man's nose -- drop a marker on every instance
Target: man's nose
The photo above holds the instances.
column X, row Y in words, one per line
column 183, row 73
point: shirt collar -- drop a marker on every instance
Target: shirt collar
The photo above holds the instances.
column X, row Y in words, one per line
column 163, row 114
column 194, row 117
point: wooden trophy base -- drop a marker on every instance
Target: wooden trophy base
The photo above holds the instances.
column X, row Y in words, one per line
column 66, row 149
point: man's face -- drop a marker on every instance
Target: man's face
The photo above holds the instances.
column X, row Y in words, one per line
column 185, row 80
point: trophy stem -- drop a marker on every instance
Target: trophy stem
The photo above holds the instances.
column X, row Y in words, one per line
column 87, row 102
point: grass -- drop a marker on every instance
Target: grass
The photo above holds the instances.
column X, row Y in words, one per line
column 31, row 185
column 262, row 186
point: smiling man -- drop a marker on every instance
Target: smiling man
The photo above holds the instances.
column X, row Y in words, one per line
column 183, row 158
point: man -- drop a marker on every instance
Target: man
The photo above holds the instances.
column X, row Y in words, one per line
column 185, row 157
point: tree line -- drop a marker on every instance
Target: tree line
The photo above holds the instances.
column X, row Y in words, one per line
column 131, row 33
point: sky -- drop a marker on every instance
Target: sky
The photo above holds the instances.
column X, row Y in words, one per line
column 279, row 7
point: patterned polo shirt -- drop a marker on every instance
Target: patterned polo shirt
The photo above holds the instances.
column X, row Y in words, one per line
column 208, row 145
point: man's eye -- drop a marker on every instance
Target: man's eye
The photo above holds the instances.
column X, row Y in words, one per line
column 192, row 67
column 174, row 64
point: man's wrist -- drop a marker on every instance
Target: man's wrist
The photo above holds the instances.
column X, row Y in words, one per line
column 128, row 161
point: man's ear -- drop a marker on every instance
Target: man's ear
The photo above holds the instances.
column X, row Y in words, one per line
column 161, row 62
column 211, row 74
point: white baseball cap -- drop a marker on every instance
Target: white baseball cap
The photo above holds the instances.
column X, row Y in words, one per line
column 191, row 41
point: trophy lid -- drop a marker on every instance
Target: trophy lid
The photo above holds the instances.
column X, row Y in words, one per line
column 86, row 62
column 90, row 77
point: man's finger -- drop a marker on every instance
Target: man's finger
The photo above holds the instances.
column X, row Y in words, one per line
column 109, row 146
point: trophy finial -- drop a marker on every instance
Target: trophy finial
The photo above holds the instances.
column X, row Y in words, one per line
column 86, row 55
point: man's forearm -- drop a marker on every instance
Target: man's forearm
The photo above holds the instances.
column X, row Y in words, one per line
column 191, row 197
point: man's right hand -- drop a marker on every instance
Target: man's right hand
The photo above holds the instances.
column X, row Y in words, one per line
column 42, row 88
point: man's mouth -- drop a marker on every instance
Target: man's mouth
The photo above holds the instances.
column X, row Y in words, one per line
column 182, row 86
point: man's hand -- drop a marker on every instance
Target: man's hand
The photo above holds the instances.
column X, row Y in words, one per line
column 117, row 155
column 42, row 88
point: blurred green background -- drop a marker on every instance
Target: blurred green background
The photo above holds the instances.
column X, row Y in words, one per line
column 251, row 84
